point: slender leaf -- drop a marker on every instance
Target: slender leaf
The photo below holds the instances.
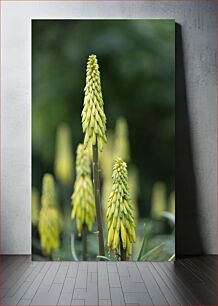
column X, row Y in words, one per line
column 104, row 257
column 73, row 252
column 172, row 258
column 153, row 253
column 147, row 234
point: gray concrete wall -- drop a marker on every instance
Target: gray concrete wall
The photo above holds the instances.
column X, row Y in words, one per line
column 198, row 29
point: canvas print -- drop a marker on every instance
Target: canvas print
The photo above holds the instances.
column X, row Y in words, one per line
column 103, row 140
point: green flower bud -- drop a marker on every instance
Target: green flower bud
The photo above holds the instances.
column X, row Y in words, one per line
column 49, row 196
column 64, row 156
column 83, row 196
column 120, row 216
column 49, row 218
column 93, row 116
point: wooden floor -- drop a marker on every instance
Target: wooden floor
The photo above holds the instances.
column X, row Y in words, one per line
column 188, row 281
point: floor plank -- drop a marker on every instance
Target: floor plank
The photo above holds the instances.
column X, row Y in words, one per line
column 168, row 294
column 202, row 269
column 117, row 297
column 140, row 298
column 29, row 275
column 78, row 302
column 16, row 278
column 17, row 296
column 155, row 292
column 24, row 302
column 65, row 299
column 188, row 281
column 103, row 282
column 169, row 280
column 170, row 271
column 10, row 273
column 197, row 287
column 61, row 274
column 69, row 285
column 48, row 298
column 210, row 260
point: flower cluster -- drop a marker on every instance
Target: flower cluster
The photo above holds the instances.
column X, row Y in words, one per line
column 93, row 116
column 49, row 219
column 83, row 196
column 120, row 217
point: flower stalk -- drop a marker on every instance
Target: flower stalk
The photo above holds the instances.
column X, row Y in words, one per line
column 120, row 216
column 83, row 197
column 97, row 199
column 84, row 238
column 94, row 129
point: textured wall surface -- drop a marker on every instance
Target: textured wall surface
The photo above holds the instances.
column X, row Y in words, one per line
column 198, row 41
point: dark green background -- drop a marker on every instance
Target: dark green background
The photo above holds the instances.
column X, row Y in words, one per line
column 137, row 62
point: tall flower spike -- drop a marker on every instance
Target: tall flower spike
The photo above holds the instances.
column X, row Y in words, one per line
column 63, row 155
column 120, row 217
column 93, row 116
column 83, row 196
column 49, row 219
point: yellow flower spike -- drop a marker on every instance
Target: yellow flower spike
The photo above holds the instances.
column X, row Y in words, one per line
column 158, row 200
column 64, row 157
column 121, row 211
column 94, row 128
column 49, row 218
column 121, row 140
column 93, row 116
column 35, row 206
column 49, row 197
column 49, row 230
column 83, row 197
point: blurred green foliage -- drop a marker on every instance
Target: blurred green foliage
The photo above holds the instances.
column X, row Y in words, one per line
column 136, row 59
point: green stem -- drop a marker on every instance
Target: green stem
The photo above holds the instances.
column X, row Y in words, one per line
column 84, row 238
column 97, row 198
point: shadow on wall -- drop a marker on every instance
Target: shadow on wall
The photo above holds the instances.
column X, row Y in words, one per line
column 188, row 235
